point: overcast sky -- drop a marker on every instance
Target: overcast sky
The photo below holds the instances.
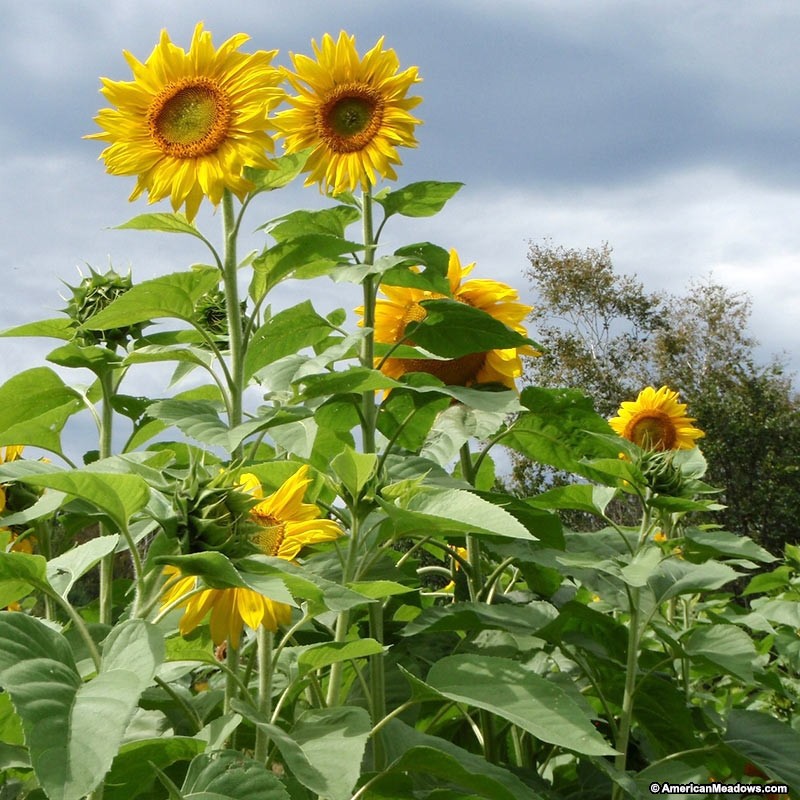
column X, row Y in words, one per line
column 669, row 129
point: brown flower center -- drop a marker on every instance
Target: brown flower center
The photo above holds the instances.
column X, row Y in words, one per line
column 652, row 430
column 189, row 118
column 350, row 117
column 271, row 535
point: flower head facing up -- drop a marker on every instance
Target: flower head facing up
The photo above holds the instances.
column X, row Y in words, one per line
column 656, row 420
column 402, row 307
column 285, row 524
column 189, row 122
column 352, row 112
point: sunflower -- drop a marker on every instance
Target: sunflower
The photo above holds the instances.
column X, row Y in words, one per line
column 402, row 306
column 286, row 524
column 656, row 420
column 353, row 113
column 189, row 123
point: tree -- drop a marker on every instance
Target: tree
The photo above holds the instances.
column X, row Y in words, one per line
column 605, row 334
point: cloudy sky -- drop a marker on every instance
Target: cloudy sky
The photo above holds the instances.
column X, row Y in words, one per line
column 670, row 130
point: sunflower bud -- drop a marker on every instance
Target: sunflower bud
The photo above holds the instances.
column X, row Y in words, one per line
column 660, row 474
column 91, row 296
column 212, row 316
column 213, row 516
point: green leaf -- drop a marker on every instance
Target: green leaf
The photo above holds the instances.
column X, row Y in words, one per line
column 453, row 329
column 58, row 328
column 578, row 496
column 355, row 379
column 34, row 407
column 676, row 576
column 171, row 296
column 423, row 199
column 323, row 655
column 556, row 430
column 306, row 255
column 769, row 581
column 19, row 573
column 725, row 646
column 514, row 693
column 198, row 419
column 163, row 222
column 768, row 743
column 73, row 729
column 99, row 360
column 327, row 221
column 118, row 495
column 132, row 774
column 402, row 741
column 287, row 168
column 725, row 543
column 354, row 469
column 64, row 570
column 453, row 511
column 469, row 616
column 228, row 775
column 284, row 334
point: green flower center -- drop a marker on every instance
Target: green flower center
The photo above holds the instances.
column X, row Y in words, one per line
column 350, row 117
column 189, row 118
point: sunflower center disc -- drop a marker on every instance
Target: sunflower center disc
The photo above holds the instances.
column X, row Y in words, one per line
column 652, row 430
column 189, row 118
column 350, row 118
column 270, row 537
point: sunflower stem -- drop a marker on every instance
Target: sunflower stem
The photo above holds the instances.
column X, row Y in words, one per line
column 234, row 314
column 369, row 411
column 264, row 642
column 231, row 675
column 107, row 562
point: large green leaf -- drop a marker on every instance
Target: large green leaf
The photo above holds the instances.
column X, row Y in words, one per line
column 118, row 495
column 725, row 646
column 172, row 296
column 452, row 511
column 73, row 729
column 64, row 570
column 19, row 573
column 556, row 430
column 326, row 221
column 34, row 407
column 422, row 199
column 228, row 775
column 469, row 616
column 676, row 576
column 453, row 329
column 58, row 328
column 286, row 168
column 509, row 690
column 768, row 743
column 132, row 772
column 493, row 782
column 284, row 334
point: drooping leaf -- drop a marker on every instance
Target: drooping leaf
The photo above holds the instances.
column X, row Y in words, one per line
column 516, row 694
column 473, row 616
column 768, row 743
column 229, row 775
column 452, row 511
column 287, row 168
column 58, row 328
column 163, row 222
column 34, row 407
column 19, row 573
column 65, row 569
column 453, row 329
column 422, row 199
column 725, row 646
column 284, row 334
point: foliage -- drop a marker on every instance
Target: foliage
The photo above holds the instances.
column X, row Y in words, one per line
column 407, row 630
column 605, row 333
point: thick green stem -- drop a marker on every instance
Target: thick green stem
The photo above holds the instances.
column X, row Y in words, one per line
column 369, row 411
column 231, row 684
column 107, row 563
column 264, row 641
column 626, row 717
column 377, row 678
column 234, row 312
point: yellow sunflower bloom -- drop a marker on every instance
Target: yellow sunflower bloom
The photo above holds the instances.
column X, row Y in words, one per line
column 353, row 112
column 189, row 122
column 656, row 420
column 402, row 306
column 287, row 524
